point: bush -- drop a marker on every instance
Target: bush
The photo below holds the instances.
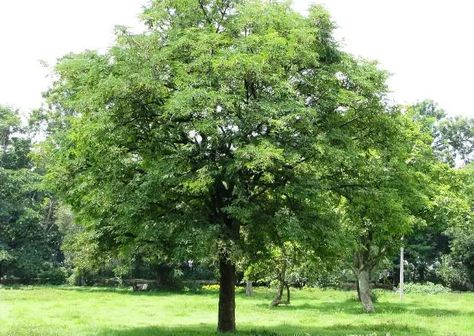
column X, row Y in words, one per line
column 454, row 274
column 374, row 295
column 54, row 276
column 426, row 288
column 80, row 277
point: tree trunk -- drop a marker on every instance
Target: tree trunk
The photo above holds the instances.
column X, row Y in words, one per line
column 226, row 315
column 287, row 293
column 158, row 279
column 248, row 288
column 364, row 290
column 357, row 287
column 277, row 300
column 281, row 285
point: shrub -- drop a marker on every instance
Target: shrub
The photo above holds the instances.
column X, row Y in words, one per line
column 426, row 288
column 374, row 295
column 454, row 274
column 54, row 276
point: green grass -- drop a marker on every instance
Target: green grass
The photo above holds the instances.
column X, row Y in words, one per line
column 74, row 311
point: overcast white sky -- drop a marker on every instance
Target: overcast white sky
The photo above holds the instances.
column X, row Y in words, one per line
column 426, row 44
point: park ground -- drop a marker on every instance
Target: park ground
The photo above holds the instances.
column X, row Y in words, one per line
column 35, row 311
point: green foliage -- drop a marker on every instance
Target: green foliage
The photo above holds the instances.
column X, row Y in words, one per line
column 54, row 276
column 394, row 185
column 457, row 268
column 453, row 137
column 29, row 240
column 222, row 132
column 453, row 274
column 238, row 132
column 9, row 124
column 450, row 208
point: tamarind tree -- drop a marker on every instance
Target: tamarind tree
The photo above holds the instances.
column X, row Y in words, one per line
column 193, row 137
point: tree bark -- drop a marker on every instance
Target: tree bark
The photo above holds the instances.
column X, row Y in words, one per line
column 248, row 288
column 277, row 300
column 226, row 315
column 364, row 290
column 287, row 293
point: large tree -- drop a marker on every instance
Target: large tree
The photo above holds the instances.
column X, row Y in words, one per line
column 196, row 136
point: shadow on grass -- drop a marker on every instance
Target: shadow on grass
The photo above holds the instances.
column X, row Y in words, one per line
column 349, row 306
column 353, row 307
column 388, row 308
column 114, row 290
column 290, row 307
column 128, row 291
column 336, row 330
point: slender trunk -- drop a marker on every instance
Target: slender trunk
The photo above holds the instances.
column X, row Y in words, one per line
column 357, row 287
column 248, row 288
column 226, row 315
column 277, row 300
column 281, row 286
column 287, row 293
column 158, row 278
column 422, row 274
column 5, row 138
column 364, row 290
column 401, row 274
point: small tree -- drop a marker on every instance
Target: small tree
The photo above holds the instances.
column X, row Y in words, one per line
column 288, row 264
column 389, row 194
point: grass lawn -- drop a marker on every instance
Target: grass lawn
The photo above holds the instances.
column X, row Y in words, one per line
column 72, row 311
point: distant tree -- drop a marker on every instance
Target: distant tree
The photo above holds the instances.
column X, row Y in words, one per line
column 429, row 241
column 286, row 265
column 88, row 263
column 453, row 143
column 388, row 192
column 291, row 257
column 29, row 239
column 453, row 137
column 457, row 268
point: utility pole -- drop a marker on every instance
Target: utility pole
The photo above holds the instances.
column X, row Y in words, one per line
column 400, row 285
